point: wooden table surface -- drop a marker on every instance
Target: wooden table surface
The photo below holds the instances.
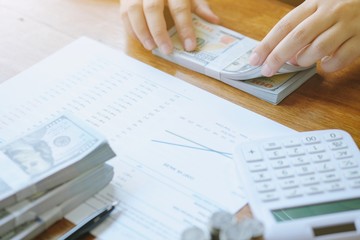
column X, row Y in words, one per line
column 30, row 30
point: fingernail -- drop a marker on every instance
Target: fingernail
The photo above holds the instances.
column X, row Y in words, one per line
column 267, row 71
column 149, row 44
column 325, row 59
column 165, row 48
column 254, row 59
column 189, row 45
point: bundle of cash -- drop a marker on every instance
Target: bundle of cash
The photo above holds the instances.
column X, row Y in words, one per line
column 14, row 218
column 33, row 228
column 223, row 54
column 61, row 160
column 49, row 156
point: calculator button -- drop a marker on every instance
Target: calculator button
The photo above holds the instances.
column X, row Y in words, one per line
column 280, row 163
column 257, row 166
column 293, row 193
column 355, row 184
column 348, row 163
column 261, row 176
column 284, row 173
column 343, row 154
column 325, row 167
column 301, row 160
column 292, row 142
column 265, row 187
column 305, row 170
column 336, row 186
column 314, row 189
column 321, row 157
column 311, row 139
column 331, row 177
column 315, row 148
column 269, row 196
column 295, row 151
column 332, row 136
column 310, row 180
column 289, row 183
column 350, row 174
column 271, row 145
column 252, row 154
column 337, row 145
column 276, row 154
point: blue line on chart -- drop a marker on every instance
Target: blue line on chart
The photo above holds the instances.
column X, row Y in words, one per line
column 199, row 146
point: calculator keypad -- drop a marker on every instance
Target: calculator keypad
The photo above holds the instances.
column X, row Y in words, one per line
column 310, row 163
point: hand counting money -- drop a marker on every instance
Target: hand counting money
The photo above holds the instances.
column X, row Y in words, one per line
column 223, row 54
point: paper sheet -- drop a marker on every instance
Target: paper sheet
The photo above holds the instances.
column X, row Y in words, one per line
column 173, row 141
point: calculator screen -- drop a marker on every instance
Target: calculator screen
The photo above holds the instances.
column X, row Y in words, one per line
column 287, row 214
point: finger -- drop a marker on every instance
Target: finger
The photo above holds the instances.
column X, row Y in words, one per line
column 297, row 39
column 155, row 19
column 279, row 32
column 181, row 12
column 324, row 45
column 202, row 8
column 346, row 54
column 125, row 19
column 138, row 24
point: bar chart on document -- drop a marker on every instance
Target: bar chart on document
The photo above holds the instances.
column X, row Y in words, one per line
column 174, row 153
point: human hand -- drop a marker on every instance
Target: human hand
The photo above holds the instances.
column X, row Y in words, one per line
column 325, row 30
column 144, row 19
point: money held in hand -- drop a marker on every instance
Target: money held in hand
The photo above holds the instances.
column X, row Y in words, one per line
column 223, row 54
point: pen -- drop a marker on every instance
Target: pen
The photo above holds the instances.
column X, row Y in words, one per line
column 88, row 223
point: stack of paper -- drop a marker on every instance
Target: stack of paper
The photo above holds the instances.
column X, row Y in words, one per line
column 48, row 173
column 223, row 54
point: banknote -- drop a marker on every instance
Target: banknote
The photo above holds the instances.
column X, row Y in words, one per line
column 220, row 53
column 62, row 147
column 32, row 228
column 30, row 208
column 51, row 145
column 270, row 83
column 224, row 54
column 211, row 42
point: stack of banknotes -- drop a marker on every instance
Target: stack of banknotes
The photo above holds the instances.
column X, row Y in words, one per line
column 223, row 54
column 47, row 173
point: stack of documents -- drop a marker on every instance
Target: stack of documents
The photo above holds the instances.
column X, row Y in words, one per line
column 223, row 54
column 49, row 172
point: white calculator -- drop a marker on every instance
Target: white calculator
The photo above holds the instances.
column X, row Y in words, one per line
column 303, row 186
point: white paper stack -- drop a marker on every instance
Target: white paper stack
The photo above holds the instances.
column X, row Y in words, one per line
column 223, row 54
column 48, row 173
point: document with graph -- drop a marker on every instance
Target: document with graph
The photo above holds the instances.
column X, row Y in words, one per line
column 173, row 141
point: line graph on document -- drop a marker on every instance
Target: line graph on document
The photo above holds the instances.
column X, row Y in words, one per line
column 195, row 155
column 211, row 137
column 192, row 145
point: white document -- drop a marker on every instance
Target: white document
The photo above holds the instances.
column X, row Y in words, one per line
column 173, row 141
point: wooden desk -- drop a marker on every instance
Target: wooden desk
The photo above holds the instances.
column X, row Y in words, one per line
column 30, row 30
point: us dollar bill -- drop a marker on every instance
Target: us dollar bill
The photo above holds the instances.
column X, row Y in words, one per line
column 220, row 53
column 61, row 143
